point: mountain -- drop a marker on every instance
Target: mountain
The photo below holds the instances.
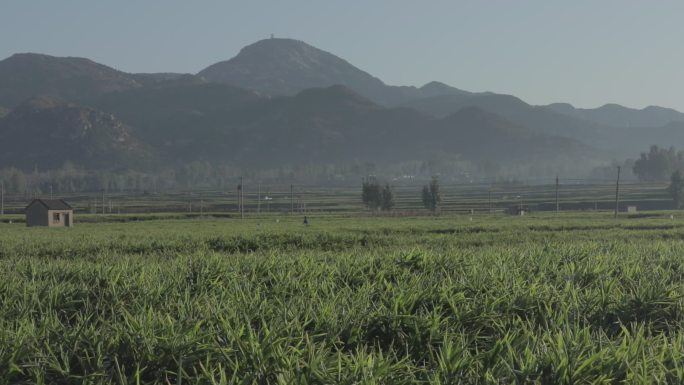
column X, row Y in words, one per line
column 173, row 124
column 335, row 124
column 282, row 101
column 615, row 115
column 445, row 105
column 564, row 121
column 615, row 131
column 284, row 67
column 331, row 124
column 26, row 75
column 439, row 89
column 537, row 119
column 46, row 133
column 221, row 123
column 631, row 141
column 186, row 121
column 480, row 135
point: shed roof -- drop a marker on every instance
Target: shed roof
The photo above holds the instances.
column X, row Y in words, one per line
column 52, row 204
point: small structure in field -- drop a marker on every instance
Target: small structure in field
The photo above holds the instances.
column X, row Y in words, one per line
column 49, row 213
column 518, row 210
column 631, row 209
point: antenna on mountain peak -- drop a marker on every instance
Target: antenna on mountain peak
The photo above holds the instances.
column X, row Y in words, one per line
column 272, row 36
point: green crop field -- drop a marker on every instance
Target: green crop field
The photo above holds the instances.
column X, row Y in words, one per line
column 486, row 299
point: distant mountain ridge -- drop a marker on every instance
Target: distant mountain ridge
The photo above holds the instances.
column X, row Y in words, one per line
column 227, row 125
column 272, row 67
column 615, row 115
column 27, row 75
column 320, row 124
column 280, row 101
column 285, row 67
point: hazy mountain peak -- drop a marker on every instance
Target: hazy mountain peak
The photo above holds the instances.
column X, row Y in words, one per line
column 20, row 56
column 562, row 108
column 561, row 105
column 435, row 88
column 29, row 74
column 281, row 67
column 287, row 66
column 660, row 109
column 612, row 106
column 272, row 45
column 615, row 115
column 72, row 65
column 294, row 54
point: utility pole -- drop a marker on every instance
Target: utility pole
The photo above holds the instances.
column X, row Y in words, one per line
column 557, row 206
column 259, row 200
column 103, row 201
column 2, row 198
column 490, row 200
column 291, row 199
column 617, row 193
column 242, row 199
column 50, row 191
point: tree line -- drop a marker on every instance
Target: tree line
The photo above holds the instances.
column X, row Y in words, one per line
column 660, row 164
column 377, row 196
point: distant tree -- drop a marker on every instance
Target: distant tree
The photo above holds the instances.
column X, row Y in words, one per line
column 17, row 182
column 375, row 196
column 658, row 163
column 427, row 200
column 432, row 197
column 676, row 189
column 371, row 193
column 387, row 198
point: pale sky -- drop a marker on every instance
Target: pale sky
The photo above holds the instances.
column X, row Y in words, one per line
column 586, row 52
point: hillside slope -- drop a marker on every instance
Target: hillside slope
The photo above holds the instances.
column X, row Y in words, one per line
column 227, row 124
column 46, row 133
column 26, row 75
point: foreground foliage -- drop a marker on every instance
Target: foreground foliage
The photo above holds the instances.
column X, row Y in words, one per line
column 345, row 301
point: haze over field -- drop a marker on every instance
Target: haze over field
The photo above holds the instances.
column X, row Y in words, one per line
column 341, row 192
column 211, row 93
